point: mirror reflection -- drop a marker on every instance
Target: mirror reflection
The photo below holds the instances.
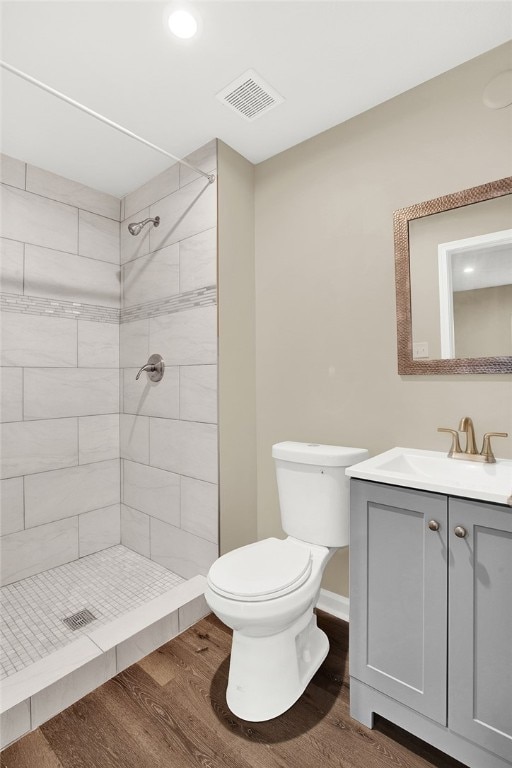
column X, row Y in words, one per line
column 461, row 282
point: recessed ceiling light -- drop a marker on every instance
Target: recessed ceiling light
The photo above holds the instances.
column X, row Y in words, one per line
column 469, row 269
column 182, row 24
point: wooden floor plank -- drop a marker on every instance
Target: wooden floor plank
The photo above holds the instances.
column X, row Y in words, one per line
column 84, row 735
column 32, row 750
column 187, row 705
column 157, row 667
column 170, row 711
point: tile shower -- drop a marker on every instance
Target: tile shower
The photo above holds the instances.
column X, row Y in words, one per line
column 101, row 473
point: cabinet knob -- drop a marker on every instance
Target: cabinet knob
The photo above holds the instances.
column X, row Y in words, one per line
column 433, row 525
column 460, row 532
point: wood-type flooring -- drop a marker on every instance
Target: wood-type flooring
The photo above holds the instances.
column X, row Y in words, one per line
column 169, row 711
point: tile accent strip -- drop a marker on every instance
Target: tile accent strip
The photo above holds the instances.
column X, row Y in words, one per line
column 35, row 305
column 73, row 310
column 201, row 297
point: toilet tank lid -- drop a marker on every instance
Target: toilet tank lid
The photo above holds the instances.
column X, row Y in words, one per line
column 319, row 455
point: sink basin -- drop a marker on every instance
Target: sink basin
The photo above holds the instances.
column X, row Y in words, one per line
column 434, row 471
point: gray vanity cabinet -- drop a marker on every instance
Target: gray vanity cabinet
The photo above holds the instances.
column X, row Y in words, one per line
column 480, row 632
column 398, row 594
column 431, row 618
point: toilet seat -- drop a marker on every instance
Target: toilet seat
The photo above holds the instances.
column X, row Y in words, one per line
column 261, row 571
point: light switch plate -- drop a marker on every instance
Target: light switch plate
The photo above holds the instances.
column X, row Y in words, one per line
column 420, row 350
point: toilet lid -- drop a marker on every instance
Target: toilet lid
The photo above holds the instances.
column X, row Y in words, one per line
column 261, row 571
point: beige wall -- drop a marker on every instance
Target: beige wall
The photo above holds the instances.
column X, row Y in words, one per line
column 482, row 321
column 237, row 397
column 326, row 368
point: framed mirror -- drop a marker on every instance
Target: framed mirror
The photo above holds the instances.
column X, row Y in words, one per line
column 453, row 271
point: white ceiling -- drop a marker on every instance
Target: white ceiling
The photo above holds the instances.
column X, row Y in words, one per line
column 491, row 266
column 330, row 60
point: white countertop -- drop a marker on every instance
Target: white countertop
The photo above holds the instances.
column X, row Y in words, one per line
column 434, row 471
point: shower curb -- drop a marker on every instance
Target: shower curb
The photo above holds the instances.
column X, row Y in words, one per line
column 37, row 693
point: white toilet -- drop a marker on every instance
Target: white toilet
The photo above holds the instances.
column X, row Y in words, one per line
column 266, row 591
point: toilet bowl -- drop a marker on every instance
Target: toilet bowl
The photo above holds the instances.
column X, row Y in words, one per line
column 277, row 646
column 266, row 591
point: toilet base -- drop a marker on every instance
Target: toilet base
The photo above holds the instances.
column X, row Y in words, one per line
column 268, row 674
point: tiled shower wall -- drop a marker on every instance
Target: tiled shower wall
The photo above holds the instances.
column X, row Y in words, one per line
column 169, row 429
column 66, row 403
column 60, row 284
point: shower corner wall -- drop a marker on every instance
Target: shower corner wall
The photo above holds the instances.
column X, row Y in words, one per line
column 169, row 450
column 90, row 457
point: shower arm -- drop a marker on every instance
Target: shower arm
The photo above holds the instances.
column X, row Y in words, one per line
column 102, row 118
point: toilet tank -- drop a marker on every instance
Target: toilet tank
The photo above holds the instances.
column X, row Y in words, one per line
column 314, row 491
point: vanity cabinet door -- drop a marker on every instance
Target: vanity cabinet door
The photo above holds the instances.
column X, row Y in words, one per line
column 398, row 594
column 480, row 644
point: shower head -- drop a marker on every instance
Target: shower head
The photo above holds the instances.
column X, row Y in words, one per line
column 135, row 227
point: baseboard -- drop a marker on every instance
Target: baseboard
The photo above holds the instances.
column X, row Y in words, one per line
column 335, row 604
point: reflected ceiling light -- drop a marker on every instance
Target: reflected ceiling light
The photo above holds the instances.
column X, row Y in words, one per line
column 182, row 24
column 469, row 269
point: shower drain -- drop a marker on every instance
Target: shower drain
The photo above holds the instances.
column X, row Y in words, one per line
column 79, row 620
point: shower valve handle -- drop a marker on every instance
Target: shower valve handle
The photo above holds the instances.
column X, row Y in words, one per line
column 154, row 368
column 149, row 368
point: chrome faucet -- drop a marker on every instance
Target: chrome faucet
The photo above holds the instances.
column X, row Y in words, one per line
column 155, row 368
column 470, row 451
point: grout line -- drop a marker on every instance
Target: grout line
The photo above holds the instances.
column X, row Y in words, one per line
column 180, row 504
column 61, row 202
column 23, row 495
column 78, row 534
column 23, row 276
column 179, row 392
column 153, row 201
column 71, row 416
column 175, row 242
column 179, row 265
column 70, row 466
column 170, row 471
column 52, row 522
column 59, row 250
column 88, row 636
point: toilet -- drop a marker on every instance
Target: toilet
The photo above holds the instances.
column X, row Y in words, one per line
column 265, row 592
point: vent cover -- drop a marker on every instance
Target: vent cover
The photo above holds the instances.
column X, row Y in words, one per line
column 250, row 96
column 80, row 619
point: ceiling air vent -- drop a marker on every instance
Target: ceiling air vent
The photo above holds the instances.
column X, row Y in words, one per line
column 250, row 96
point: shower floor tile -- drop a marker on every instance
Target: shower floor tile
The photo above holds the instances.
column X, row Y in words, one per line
column 108, row 584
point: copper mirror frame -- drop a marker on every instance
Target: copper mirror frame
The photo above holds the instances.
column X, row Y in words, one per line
column 401, row 218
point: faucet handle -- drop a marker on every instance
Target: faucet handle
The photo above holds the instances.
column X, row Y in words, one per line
column 148, row 367
column 486, row 446
column 154, row 368
column 455, row 446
